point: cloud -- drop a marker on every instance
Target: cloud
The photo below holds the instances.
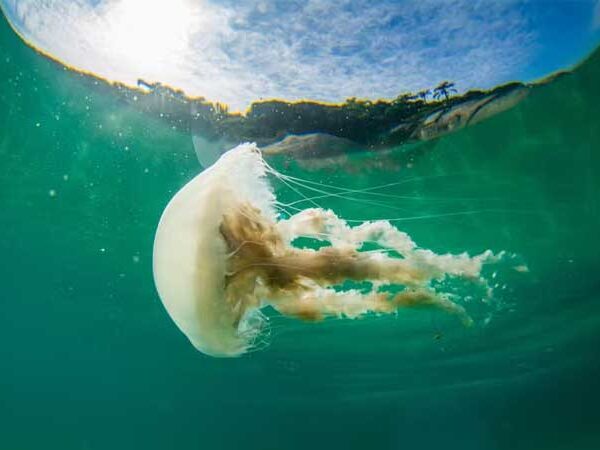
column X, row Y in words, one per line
column 328, row 50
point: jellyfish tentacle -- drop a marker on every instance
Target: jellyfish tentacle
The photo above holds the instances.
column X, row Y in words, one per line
column 384, row 234
column 326, row 225
column 320, row 303
column 317, row 223
column 331, row 265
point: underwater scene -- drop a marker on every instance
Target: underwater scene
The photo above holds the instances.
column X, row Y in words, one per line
column 308, row 254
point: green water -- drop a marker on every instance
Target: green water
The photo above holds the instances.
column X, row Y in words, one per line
column 90, row 360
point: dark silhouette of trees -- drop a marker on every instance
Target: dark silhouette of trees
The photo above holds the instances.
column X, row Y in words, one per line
column 368, row 123
column 423, row 94
column 443, row 90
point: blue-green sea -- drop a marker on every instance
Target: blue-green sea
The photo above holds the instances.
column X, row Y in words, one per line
column 90, row 360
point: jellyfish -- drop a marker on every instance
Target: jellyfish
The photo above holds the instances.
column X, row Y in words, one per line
column 223, row 251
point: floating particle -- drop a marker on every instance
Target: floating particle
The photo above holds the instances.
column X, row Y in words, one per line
column 522, row 268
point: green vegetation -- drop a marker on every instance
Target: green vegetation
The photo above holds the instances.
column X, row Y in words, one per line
column 370, row 124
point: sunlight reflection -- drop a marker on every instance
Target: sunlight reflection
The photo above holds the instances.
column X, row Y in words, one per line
column 149, row 34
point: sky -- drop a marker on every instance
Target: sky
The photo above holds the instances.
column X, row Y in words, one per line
column 239, row 51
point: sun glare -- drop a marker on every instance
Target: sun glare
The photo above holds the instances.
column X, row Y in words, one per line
column 148, row 34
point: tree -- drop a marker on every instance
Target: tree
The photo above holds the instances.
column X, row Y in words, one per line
column 443, row 90
column 423, row 94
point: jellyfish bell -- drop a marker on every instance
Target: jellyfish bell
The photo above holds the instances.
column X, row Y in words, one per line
column 190, row 257
column 222, row 253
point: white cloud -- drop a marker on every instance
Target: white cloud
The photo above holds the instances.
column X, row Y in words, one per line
column 236, row 52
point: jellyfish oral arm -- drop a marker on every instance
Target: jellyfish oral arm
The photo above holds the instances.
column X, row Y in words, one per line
column 325, row 225
column 330, row 266
column 319, row 303
column 299, row 282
